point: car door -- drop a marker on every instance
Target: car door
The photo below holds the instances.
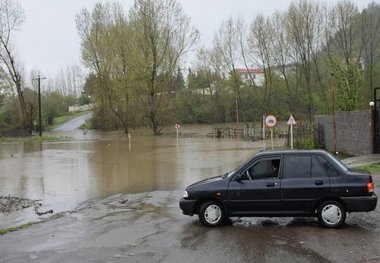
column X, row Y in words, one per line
column 303, row 183
column 258, row 188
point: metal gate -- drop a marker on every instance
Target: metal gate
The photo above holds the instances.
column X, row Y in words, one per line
column 376, row 121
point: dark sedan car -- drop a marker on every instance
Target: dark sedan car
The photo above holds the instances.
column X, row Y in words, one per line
column 283, row 183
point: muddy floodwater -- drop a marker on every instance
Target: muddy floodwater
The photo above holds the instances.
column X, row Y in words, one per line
column 115, row 199
column 95, row 165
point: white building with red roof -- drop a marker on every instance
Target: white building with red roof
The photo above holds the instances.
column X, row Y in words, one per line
column 252, row 74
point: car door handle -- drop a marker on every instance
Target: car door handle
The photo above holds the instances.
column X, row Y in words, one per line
column 271, row 184
column 318, row 182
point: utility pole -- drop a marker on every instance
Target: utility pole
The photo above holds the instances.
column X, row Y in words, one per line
column 39, row 105
column 334, row 116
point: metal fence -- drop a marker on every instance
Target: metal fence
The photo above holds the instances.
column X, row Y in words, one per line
column 307, row 136
column 253, row 134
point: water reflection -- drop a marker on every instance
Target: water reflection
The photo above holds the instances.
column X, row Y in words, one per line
column 93, row 166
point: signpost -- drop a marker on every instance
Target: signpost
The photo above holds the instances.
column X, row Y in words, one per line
column 177, row 126
column 291, row 122
column 270, row 122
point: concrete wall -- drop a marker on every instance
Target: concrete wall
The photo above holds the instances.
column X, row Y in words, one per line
column 81, row 108
column 354, row 131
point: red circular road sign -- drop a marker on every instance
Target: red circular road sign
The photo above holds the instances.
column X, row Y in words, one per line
column 270, row 121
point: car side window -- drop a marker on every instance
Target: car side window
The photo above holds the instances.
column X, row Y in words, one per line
column 265, row 168
column 327, row 167
column 316, row 169
column 297, row 166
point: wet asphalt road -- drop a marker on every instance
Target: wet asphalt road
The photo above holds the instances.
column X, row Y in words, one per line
column 74, row 123
column 149, row 227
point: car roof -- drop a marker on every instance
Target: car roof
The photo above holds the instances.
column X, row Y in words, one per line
column 273, row 152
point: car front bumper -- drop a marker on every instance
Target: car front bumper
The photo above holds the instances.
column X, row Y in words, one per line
column 187, row 206
column 360, row 203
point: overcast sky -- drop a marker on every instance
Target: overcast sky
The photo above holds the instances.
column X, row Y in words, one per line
column 48, row 40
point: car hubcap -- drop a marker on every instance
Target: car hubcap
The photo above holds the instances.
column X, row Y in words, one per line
column 331, row 214
column 213, row 214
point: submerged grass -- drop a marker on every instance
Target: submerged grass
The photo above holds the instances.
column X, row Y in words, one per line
column 29, row 139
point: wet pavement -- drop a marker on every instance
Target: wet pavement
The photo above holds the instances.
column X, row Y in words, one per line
column 116, row 200
column 149, row 227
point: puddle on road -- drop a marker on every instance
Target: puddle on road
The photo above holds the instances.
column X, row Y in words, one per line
column 96, row 165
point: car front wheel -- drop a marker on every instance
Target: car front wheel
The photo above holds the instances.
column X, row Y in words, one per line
column 331, row 214
column 211, row 214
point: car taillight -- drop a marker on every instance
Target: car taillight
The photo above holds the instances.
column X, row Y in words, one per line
column 370, row 187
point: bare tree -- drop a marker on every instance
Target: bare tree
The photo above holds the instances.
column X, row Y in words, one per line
column 11, row 18
column 260, row 42
column 160, row 35
column 370, row 31
column 204, row 65
column 209, row 68
column 227, row 44
column 283, row 59
column 68, row 81
column 303, row 32
column 343, row 21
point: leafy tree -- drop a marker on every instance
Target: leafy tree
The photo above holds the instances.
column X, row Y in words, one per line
column 88, row 89
column 55, row 104
column 179, row 81
column 347, row 80
column 103, row 33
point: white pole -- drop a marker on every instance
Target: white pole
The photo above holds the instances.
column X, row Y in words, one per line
column 264, row 132
column 271, row 136
column 291, row 136
column 129, row 141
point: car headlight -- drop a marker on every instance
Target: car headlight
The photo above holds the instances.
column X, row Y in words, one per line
column 185, row 194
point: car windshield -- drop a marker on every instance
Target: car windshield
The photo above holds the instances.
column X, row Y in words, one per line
column 243, row 163
column 338, row 162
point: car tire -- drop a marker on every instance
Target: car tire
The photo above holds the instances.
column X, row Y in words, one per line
column 331, row 214
column 211, row 214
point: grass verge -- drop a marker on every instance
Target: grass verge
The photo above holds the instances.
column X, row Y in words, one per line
column 86, row 126
column 16, row 228
column 373, row 168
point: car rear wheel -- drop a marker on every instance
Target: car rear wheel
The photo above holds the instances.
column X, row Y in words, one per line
column 211, row 214
column 331, row 214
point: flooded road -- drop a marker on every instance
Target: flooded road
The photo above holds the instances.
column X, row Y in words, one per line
column 75, row 123
column 95, row 165
column 119, row 199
